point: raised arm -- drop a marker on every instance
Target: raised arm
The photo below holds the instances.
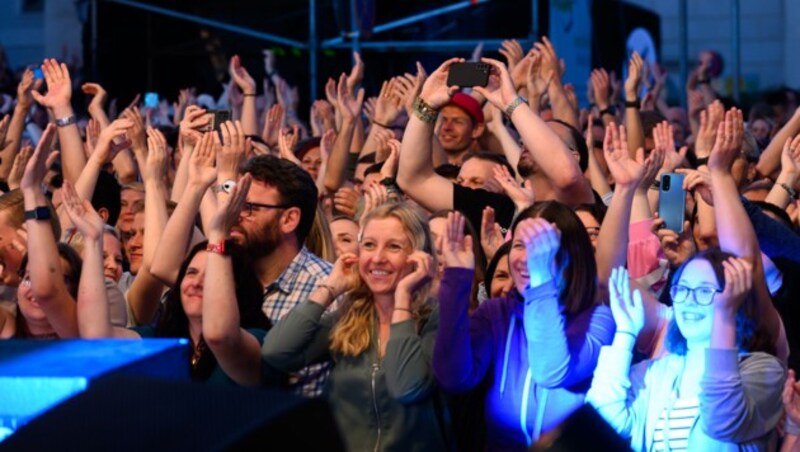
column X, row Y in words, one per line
column 176, row 239
column 47, row 282
column 237, row 351
column 12, row 138
column 559, row 355
column 770, row 160
column 144, row 296
column 416, row 176
column 247, row 85
column 736, row 233
column 562, row 108
column 94, row 321
column 633, row 120
column 548, row 150
column 781, row 193
column 194, row 118
column 740, row 400
column 57, row 99
column 123, row 162
column 612, row 242
column 350, row 110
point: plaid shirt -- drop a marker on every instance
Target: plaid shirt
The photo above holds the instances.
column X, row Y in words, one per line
column 293, row 286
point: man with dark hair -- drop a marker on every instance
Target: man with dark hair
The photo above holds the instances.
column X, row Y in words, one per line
column 273, row 226
column 106, row 198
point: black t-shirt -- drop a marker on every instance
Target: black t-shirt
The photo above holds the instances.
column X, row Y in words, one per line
column 471, row 202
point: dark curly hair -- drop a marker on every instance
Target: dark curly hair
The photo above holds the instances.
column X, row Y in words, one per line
column 173, row 321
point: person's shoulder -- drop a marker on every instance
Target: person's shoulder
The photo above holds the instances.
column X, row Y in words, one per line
column 314, row 264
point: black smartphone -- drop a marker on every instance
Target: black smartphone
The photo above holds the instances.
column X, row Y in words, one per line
column 672, row 201
column 465, row 75
column 215, row 120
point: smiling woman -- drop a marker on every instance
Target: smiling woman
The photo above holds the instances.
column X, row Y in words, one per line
column 382, row 388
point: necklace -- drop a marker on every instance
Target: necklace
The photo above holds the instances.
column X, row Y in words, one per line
column 197, row 352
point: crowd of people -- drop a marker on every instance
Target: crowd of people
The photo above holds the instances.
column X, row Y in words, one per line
column 452, row 267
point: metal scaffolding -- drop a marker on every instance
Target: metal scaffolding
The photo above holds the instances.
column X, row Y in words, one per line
column 351, row 39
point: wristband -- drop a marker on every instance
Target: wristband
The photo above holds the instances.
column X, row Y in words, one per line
column 610, row 110
column 514, row 104
column 702, row 161
column 39, row 213
column 424, row 112
column 66, row 121
column 249, row 94
column 628, row 333
column 636, row 103
column 223, row 248
column 328, row 288
column 405, row 309
column 381, row 124
column 789, row 189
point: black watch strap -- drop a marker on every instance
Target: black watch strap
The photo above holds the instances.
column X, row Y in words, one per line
column 39, row 213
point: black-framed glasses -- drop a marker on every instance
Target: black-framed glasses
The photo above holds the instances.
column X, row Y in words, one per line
column 250, row 207
column 703, row 295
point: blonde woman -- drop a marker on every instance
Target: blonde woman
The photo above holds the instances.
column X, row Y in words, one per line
column 381, row 388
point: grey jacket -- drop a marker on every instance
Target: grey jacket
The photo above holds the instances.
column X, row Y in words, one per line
column 740, row 398
column 390, row 404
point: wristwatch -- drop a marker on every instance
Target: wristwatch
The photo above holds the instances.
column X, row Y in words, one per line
column 39, row 213
column 63, row 122
column 223, row 247
column 227, row 186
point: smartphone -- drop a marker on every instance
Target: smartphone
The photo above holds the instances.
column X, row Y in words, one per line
column 672, row 201
column 465, row 75
column 151, row 100
column 215, row 119
column 38, row 74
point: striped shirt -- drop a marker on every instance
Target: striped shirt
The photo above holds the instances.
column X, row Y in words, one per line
column 673, row 426
column 293, row 286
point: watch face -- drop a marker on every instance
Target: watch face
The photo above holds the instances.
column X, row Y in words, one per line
column 228, row 186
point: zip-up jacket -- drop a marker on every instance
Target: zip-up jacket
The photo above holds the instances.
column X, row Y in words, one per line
column 379, row 405
column 539, row 362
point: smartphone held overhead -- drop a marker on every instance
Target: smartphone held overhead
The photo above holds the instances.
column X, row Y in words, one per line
column 465, row 75
column 672, row 201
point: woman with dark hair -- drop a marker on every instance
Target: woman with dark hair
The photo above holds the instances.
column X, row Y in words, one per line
column 183, row 309
column 498, row 282
column 718, row 389
column 536, row 347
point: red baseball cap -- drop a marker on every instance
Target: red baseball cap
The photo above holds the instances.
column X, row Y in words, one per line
column 469, row 105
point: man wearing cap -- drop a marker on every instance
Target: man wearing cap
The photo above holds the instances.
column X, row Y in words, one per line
column 462, row 124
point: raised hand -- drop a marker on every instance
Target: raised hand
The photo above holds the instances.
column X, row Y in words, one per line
column 634, row 80
column 228, row 210
column 59, row 85
column 233, row 151
column 4, row 129
column 626, row 307
column 389, row 168
column 374, row 196
column 25, row 88
column 36, row 167
column 537, row 79
column 677, row 247
column 345, row 201
column 241, row 77
column 106, row 149
column 349, row 103
column 99, row 96
column 522, row 196
column 551, row 65
column 435, row 91
column 156, row 169
column 728, row 145
column 626, row 171
column 512, row 50
column 331, row 93
column 790, row 159
column 202, row 171
column 457, row 247
column 287, row 140
column 344, row 275
column 18, row 168
column 664, row 138
column 699, row 182
column 738, row 282
column 421, row 270
column 505, row 93
column 542, row 241
column 137, row 132
column 710, row 120
column 356, row 74
column 194, row 119
column 83, row 216
column 273, row 121
column 491, row 234
column 791, row 397
column 387, row 105
column 600, row 87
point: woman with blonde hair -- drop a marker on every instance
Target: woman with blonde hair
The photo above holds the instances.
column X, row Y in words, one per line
column 382, row 388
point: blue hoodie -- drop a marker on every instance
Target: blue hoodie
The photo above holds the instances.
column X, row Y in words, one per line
column 538, row 361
